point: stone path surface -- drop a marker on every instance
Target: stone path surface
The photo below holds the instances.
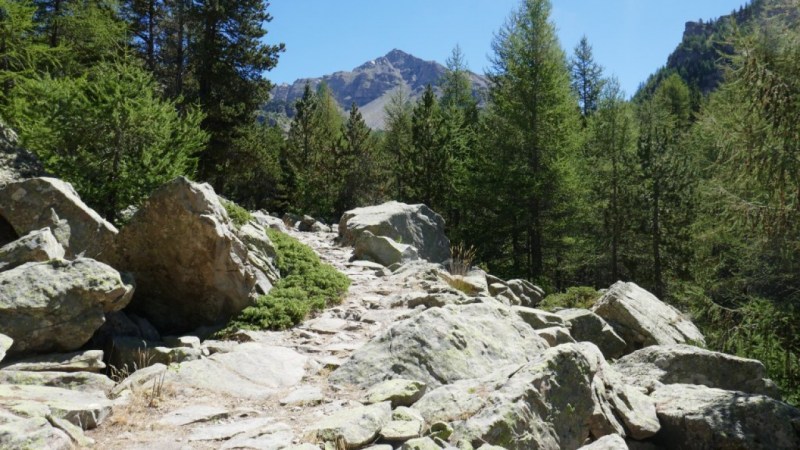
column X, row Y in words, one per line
column 269, row 390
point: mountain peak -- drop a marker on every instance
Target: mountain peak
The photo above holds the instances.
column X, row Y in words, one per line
column 370, row 85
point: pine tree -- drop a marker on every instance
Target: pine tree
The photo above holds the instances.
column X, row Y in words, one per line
column 108, row 133
column 587, row 77
column 398, row 145
column 532, row 118
column 354, row 163
column 227, row 59
column 429, row 160
column 22, row 56
column 613, row 171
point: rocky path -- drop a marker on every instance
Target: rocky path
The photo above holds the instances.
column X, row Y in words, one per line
column 269, row 388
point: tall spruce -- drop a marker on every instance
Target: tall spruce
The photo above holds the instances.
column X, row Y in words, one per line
column 228, row 59
column 533, row 121
column 587, row 77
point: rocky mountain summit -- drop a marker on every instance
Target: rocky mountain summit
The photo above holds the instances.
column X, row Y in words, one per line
column 106, row 341
column 370, row 85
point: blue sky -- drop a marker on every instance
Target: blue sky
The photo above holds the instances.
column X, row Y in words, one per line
column 631, row 38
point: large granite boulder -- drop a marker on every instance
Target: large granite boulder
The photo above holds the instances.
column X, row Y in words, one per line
column 587, row 326
column 16, row 163
column 38, row 245
column 382, row 250
column 557, row 400
column 38, row 203
column 652, row 367
column 442, row 345
column 415, row 225
column 703, row 418
column 57, row 305
column 641, row 319
column 190, row 266
column 354, row 427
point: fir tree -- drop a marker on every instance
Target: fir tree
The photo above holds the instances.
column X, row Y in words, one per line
column 587, row 77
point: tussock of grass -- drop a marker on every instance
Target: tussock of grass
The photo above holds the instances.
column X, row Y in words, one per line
column 238, row 215
column 307, row 285
column 574, row 297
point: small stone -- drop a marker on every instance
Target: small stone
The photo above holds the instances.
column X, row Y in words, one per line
column 182, row 341
column 400, row 392
column 441, row 430
column 193, row 414
column 305, row 395
column 424, row 443
column 401, row 430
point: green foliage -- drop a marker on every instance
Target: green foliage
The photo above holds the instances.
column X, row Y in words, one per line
column 587, row 77
column 573, row 297
column 22, row 55
column 238, row 215
column 306, row 285
column 108, row 133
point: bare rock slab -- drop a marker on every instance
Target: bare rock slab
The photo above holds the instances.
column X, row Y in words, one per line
column 699, row 417
column 442, row 345
column 88, row 361
column 557, row 400
column 357, row 426
column 84, row 409
column 642, row 320
column 34, row 432
column 608, row 442
column 652, row 367
column 193, row 414
column 57, row 305
column 251, row 370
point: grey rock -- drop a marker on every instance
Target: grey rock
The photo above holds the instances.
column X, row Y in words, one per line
column 75, row 433
column 251, row 370
column 382, row 250
column 399, row 391
column 557, row 400
column 191, row 268
column 33, row 433
column 271, row 437
column 227, row 430
column 642, row 320
column 84, row 409
column 423, row 443
column 415, row 225
column 261, row 254
column 528, row 294
column 16, row 163
column 267, row 221
column 76, row 381
column 38, row 203
column 57, row 305
column 441, row 345
column 355, row 426
column 38, row 245
column 587, row 326
column 131, row 354
column 555, row 335
column 607, row 442
column 193, row 414
column 699, row 417
column 652, row 367
column 182, row 341
column 304, row 395
column 537, row 318
column 142, row 379
column 401, row 430
column 86, row 361
column 5, row 343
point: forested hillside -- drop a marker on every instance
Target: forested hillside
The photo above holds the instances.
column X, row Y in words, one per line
column 691, row 189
